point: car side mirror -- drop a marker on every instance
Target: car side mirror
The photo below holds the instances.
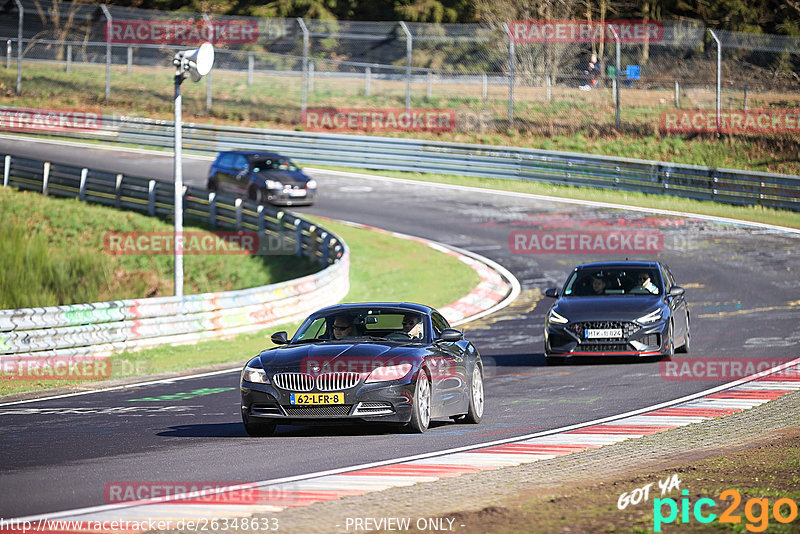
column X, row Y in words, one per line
column 280, row 338
column 451, row 335
column 676, row 291
column 551, row 292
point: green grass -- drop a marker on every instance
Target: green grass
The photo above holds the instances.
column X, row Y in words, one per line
column 573, row 121
column 53, row 253
column 383, row 268
column 759, row 214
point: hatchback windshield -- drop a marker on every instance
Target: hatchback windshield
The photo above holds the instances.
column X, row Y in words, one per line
column 277, row 164
column 614, row 281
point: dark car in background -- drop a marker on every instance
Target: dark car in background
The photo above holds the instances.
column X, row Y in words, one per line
column 262, row 177
column 627, row 308
column 397, row 363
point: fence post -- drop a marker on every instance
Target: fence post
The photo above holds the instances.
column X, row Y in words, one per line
column 745, row 98
column 511, row 59
column 618, row 77
column 19, row 45
column 549, row 88
column 485, row 87
column 367, row 76
column 130, row 60
column 677, row 95
column 430, row 84
column 304, row 29
column 82, row 187
column 151, row 198
column 69, row 57
column 311, row 76
column 6, row 170
column 45, row 177
column 409, row 51
column 250, row 66
column 719, row 78
column 109, row 21
column 208, row 77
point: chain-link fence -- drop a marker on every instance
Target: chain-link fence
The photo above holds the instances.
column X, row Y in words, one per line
column 396, row 76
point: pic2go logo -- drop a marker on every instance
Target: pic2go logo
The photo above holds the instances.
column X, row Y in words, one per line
column 784, row 510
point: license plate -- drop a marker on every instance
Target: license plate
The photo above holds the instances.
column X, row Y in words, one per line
column 317, row 398
column 604, row 333
column 297, row 193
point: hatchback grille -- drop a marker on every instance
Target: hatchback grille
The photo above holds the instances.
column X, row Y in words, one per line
column 324, row 382
column 294, row 381
column 337, row 381
column 336, row 410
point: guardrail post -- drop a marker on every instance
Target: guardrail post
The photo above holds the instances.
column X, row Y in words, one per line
column 69, row 57
column 250, row 67
column 45, row 177
column 262, row 223
column 151, row 198
column 212, row 208
column 326, row 247
column 367, row 76
column 238, row 205
column 298, row 224
column 82, row 187
column 118, row 191
column 6, row 170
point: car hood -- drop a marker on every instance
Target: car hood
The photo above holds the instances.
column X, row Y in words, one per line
column 338, row 356
column 284, row 177
column 607, row 308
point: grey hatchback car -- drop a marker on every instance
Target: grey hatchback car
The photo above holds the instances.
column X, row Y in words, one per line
column 262, row 176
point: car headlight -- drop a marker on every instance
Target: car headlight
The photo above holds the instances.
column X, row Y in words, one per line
column 556, row 318
column 389, row 372
column 255, row 375
column 272, row 184
column 651, row 317
column 311, row 184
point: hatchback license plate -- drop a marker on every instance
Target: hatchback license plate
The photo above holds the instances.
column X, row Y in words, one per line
column 317, row 398
column 604, row 333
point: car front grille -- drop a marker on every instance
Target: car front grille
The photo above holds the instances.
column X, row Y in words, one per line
column 294, row 381
column 335, row 410
column 605, row 347
column 323, row 382
column 337, row 381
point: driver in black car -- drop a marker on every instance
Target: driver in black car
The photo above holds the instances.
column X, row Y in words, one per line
column 343, row 327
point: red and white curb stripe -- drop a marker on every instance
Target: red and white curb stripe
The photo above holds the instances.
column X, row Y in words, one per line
column 278, row 495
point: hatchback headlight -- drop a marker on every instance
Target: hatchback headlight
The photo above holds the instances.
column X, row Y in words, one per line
column 311, row 184
column 272, row 184
column 557, row 318
column 651, row 317
column 255, row 375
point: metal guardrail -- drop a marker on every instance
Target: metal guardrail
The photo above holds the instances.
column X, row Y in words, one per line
column 384, row 153
column 107, row 327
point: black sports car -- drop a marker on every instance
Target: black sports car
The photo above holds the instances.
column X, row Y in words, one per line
column 379, row 362
column 630, row 308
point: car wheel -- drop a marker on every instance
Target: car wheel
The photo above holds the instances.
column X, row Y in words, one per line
column 260, row 429
column 256, row 194
column 212, row 185
column 475, row 413
column 671, row 341
column 421, row 409
column 686, row 345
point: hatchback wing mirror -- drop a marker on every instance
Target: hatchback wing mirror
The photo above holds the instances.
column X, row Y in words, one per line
column 676, row 291
column 551, row 292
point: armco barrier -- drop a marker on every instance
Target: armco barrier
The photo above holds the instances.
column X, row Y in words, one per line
column 385, row 153
column 107, row 327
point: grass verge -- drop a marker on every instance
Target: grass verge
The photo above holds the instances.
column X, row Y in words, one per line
column 53, row 253
column 766, row 473
column 383, row 268
column 757, row 214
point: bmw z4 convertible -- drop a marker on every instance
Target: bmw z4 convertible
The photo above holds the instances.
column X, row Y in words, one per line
column 630, row 308
column 393, row 363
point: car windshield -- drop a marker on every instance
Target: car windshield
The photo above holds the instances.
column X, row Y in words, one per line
column 273, row 164
column 613, row 281
column 367, row 324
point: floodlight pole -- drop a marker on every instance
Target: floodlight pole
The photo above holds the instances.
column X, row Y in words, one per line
column 178, row 176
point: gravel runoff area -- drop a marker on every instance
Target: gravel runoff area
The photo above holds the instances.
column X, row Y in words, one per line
column 634, row 457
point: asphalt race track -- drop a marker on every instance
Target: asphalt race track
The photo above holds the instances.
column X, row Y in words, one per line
column 743, row 288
